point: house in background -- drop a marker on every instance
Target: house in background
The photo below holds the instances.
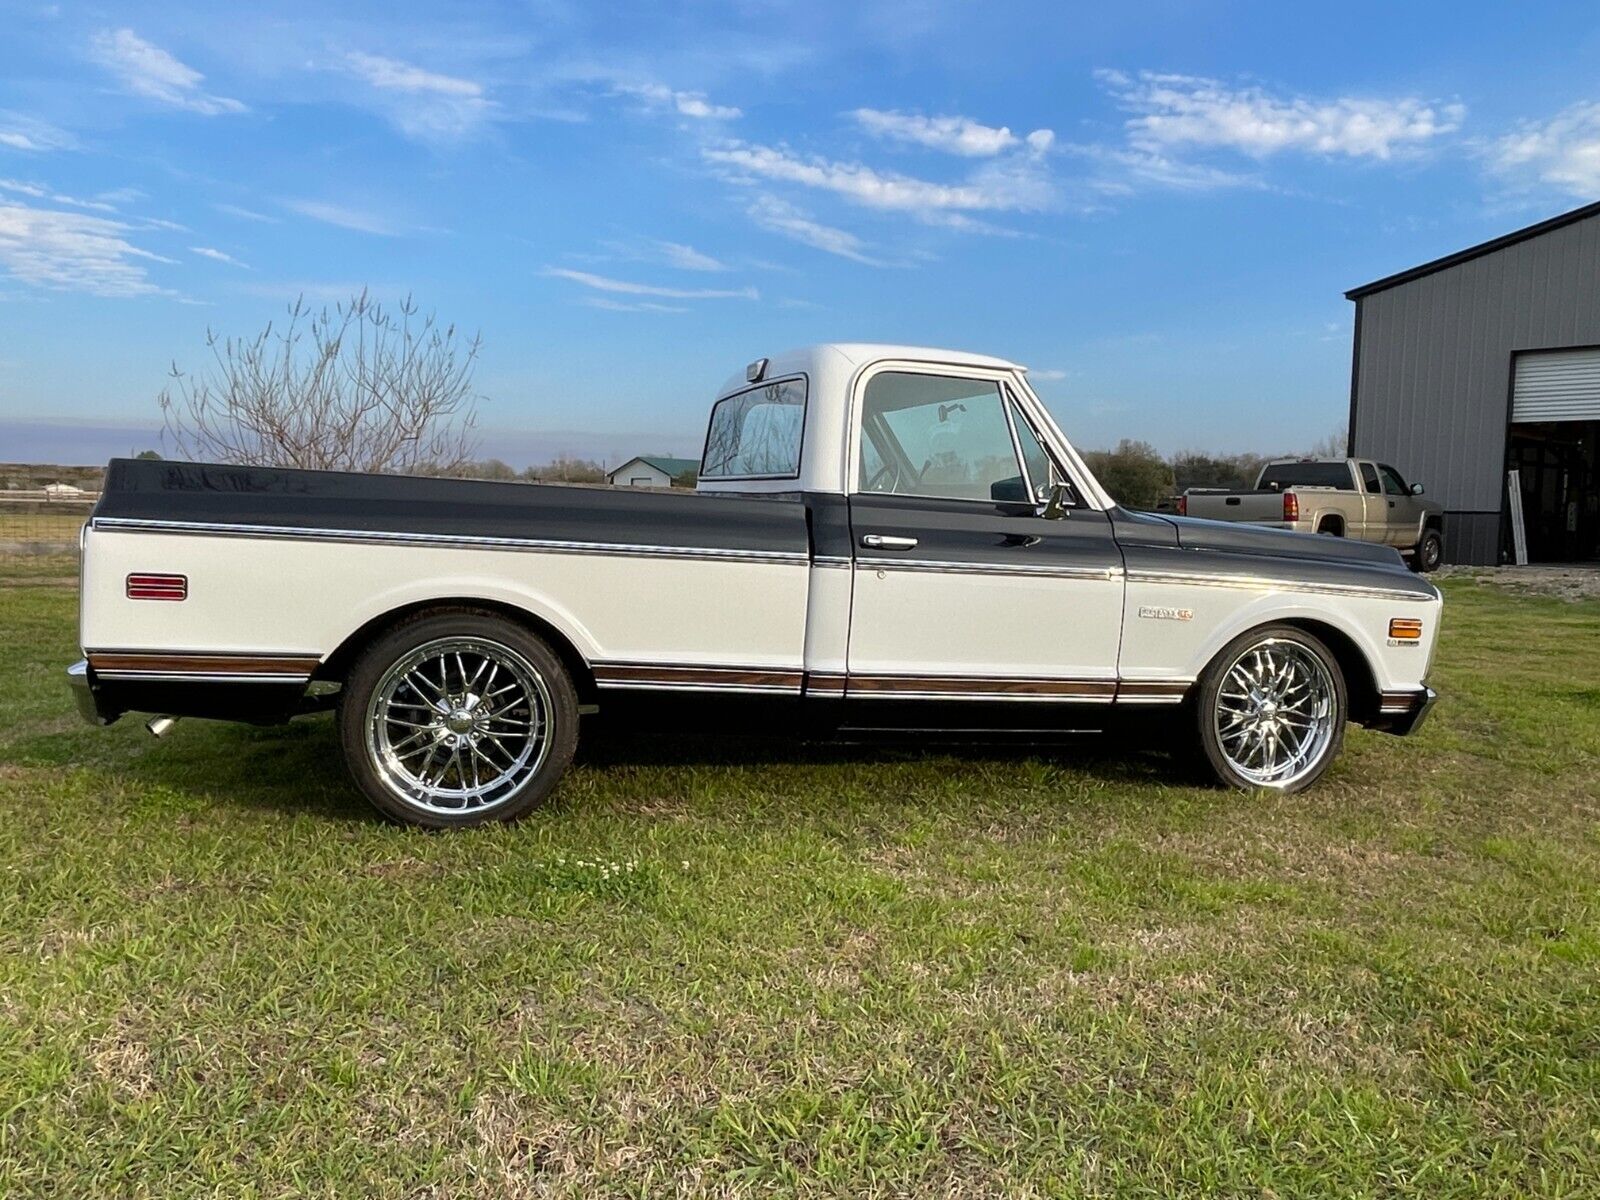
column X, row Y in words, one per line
column 651, row 471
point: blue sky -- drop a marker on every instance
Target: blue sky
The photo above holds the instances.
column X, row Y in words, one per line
column 1156, row 207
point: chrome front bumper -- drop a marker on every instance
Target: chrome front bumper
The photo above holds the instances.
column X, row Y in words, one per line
column 83, row 693
column 1408, row 719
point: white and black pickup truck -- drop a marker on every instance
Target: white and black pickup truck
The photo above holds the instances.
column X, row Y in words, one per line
column 883, row 539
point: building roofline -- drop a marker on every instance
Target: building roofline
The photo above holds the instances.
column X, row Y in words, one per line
column 1478, row 251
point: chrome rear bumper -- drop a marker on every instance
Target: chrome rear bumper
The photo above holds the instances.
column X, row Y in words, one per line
column 82, row 686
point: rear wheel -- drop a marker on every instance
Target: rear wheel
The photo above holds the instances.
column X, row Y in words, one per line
column 458, row 718
column 1271, row 710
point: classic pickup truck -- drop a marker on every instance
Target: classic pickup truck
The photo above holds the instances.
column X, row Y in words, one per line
column 1338, row 497
column 882, row 539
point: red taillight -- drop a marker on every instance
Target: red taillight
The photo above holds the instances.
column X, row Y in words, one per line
column 158, row 587
column 1291, row 507
column 1183, row 506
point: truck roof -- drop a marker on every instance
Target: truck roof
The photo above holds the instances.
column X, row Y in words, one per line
column 810, row 359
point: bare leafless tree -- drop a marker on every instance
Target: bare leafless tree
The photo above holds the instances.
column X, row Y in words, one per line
column 1332, row 446
column 355, row 388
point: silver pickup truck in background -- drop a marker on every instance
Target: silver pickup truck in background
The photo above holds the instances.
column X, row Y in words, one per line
column 1337, row 497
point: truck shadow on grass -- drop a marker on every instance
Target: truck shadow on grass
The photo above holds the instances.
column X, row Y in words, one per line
column 297, row 769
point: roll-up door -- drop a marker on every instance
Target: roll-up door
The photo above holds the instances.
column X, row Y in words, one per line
column 1557, row 385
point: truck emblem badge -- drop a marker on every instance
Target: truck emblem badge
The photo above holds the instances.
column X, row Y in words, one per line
column 1157, row 612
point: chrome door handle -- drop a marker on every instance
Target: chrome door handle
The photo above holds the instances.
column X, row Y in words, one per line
column 884, row 541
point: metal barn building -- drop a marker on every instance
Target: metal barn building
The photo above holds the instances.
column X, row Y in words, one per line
column 1487, row 361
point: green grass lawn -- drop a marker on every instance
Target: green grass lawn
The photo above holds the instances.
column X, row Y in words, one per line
column 731, row 970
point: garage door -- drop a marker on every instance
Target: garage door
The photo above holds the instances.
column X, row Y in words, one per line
column 1557, row 385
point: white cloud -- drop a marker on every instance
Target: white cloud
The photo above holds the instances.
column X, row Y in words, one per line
column 216, row 256
column 1175, row 111
column 1049, row 375
column 687, row 104
column 626, row 287
column 148, row 70
column 19, row 131
column 606, row 305
column 994, row 188
column 37, row 191
column 393, row 75
column 781, row 217
column 953, row 135
column 245, row 214
column 1127, row 168
column 687, row 258
column 421, row 103
column 343, row 217
column 1563, row 152
column 71, row 251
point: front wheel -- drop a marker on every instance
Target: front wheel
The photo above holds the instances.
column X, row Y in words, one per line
column 1430, row 551
column 458, row 718
column 1271, row 710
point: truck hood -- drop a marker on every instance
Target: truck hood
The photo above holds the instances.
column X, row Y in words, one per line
column 1195, row 533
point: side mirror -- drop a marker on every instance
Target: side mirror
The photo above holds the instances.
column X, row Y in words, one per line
column 1056, row 503
column 1416, row 489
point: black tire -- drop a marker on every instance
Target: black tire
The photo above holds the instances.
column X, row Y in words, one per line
column 1204, row 709
column 552, row 700
column 1331, row 528
column 1429, row 553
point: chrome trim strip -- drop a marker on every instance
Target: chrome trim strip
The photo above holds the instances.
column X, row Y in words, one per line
column 200, row 677
column 1172, row 699
column 830, row 560
column 933, row 566
column 656, row 685
column 1023, row 697
column 1269, row 583
column 446, row 540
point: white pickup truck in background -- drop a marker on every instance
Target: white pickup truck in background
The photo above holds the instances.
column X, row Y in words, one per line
column 884, row 539
column 1337, row 497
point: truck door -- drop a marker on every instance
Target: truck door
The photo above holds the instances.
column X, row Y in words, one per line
column 964, row 589
column 1403, row 512
column 1374, row 516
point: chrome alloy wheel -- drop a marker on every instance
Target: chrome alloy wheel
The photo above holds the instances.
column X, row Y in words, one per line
column 1276, row 713
column 458, row 725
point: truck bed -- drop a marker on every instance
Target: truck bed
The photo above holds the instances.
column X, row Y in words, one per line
column 402, row 508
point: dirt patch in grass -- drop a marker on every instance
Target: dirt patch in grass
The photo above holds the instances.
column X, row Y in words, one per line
column 1562, row 583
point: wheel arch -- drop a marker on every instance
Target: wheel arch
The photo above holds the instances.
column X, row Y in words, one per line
column 337, row 664
column 1360, row 683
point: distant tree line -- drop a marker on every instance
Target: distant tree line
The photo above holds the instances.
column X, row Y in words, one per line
column 1139, row 476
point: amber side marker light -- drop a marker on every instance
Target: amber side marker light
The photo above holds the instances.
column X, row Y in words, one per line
column 1405, row 629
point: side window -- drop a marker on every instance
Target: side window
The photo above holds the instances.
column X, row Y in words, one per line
column 937, row 435
column 1369, row 478
column 1041, row 471
column 1392, row 483
column 756, row 434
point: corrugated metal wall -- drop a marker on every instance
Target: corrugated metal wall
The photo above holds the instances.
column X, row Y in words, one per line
column 1433, row 368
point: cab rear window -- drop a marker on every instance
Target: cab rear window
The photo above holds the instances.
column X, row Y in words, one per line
column 756, row 434
column 1287, row 475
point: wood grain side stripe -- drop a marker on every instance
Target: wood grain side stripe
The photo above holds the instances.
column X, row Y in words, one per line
column 1153, row 689
column 954, row 685
column 644, row 675
column 168, row 663
column 1399, row 702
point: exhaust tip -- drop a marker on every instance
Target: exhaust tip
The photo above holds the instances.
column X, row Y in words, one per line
column 160, row 726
